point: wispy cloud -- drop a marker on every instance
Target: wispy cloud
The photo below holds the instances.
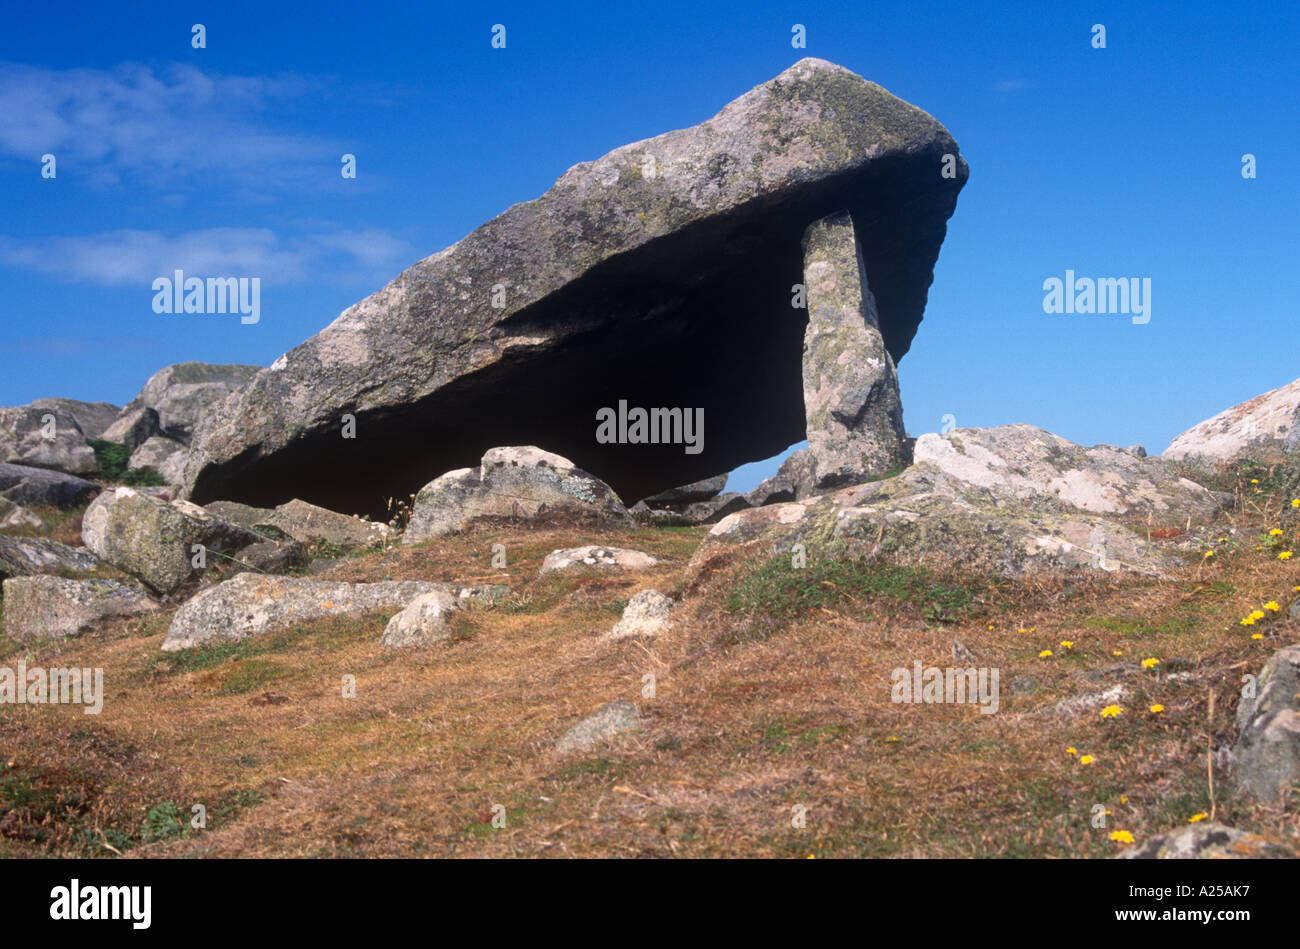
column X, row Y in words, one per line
column 1013, row 85
column 178, row 126
column 367, row 257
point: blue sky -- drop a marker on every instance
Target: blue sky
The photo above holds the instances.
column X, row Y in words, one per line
column 1115, row 162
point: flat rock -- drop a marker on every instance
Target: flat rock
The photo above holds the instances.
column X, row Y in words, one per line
column 1265, row 428
column 626, row 280
column 29, row 556
column 422, row 623
column 133, row 427
column 592, row 556
column 512, row 484
column 269, row 556
column 599, row 727
column 703, row 490
column 250, row 604
column 1203, row 841
column 40, row 487
column 245, row 515
column 1266, row 754
column 57, row 608
column 646, row 614
column 44, row 438
column 309, row 524
column 153, row 540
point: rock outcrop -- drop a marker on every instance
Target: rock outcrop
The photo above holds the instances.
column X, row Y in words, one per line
column 253, row 605
column 661, row 274
column 1264, row 428
column 91, row 417
column 39, row 608
column 646, row 614
column 512, row 484
column 1266, row 755
column 1205, row 841
column 164, row 455
column 422, row 623
column 44, row 438
column 1005, row 500
column 174, row 399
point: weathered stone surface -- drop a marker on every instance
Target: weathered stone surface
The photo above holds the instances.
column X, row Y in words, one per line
column 91, row 417
column 28, row 556
column 1203, row 841
column 1264, row 428
column 133, row 427
column 1021, row 461
column 793, row 481
column 153, row 540
column 40, row 487
column 850, row 387
column 13, row 516
column 24, row 440
column 245, row 515
column 309, row 524
column 181, row 393
column 55, row 608
column 603, row 724
column 164, row 455
column 1266, row 755
column 422, row 623
column 687, row 244
column 696, row 491
column 271, row 556
column 714, row 509
column 517, row 483
column 593, row 556
column 1007, row 500
column 646, row 614
column 251, row 604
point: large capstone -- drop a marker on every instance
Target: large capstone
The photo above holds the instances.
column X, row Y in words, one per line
column 660, row 276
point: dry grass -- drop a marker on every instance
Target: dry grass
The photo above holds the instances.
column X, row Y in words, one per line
column 749, row 719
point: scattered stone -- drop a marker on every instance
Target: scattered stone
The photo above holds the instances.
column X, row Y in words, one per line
column 1203, row 841
column 597, row 557
column 523, row 483
column 1136, row 449
column 270, row 556
column 14, row 516
column 39, row 487
column 696, row 491
column 164, row 455
column 309, row 524
column 715, row 509
column 91, row 417
column 685, row 244
column 252, row 604
column 1025, row 684
column 24, row 440
column 1090, row 701
column 646, row 614
column 57, row 608
column 1266, row 755
column 244, row 515
column 153, row 540
column 422, row 623
column 962, row 653
column 29, row 556
column 606, row 722
column 1262, row 429
column 133, row 427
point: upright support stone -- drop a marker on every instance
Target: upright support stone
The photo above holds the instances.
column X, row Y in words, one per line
column 850, row 386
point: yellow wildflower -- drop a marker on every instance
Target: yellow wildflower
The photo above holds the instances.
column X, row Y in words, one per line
column 1150, row 663
column 1123, row 836
column 1275, row 532
column 1111, row 711
column 1046, row 653
column 1157, row 709
column 1284, row 555
column 1272, row 605
column 1197, row 818
column 1087, row 759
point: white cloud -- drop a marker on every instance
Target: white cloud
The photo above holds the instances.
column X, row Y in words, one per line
column 175, row 126
column 369, row 256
